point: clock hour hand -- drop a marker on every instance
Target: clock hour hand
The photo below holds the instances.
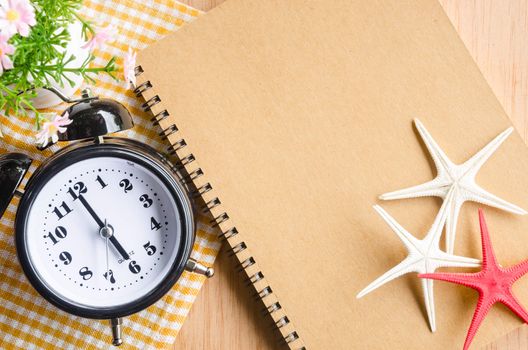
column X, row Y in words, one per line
column 101, row 224
column 89, row 208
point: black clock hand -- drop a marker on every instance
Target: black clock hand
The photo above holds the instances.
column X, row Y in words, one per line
column 119, row 248
column 101, row 224
column 88, row 207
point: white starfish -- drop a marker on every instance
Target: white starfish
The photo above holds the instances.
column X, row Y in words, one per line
column 423, row 255
column 457, row 177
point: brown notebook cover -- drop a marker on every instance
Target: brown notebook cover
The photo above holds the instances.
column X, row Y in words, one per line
column 298, row 114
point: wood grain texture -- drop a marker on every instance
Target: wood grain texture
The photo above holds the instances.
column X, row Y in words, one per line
column 496, row 34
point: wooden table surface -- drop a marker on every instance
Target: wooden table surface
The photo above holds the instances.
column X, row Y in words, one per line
column 496, row 34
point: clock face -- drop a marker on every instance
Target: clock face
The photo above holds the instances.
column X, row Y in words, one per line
column 104, row 232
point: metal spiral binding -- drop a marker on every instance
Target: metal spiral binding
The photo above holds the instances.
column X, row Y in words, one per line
column 138, row 70
column 187, row 159
column 219, row 219
column 159, row 117
column 247, row 263
column 283, row 321
column 193, row 175
column 165, row 133
column 228, row 234
column 264, row 292
column 199, row 191
column 254, row 278
column 151, row 102
column 140, row 89
column 273, row 307
column 176, row 146
column 238, row 248
column 213, row 203
column 291, row 337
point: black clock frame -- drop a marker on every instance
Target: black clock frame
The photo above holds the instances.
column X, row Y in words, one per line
column 111, row 147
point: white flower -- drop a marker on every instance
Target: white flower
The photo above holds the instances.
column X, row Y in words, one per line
column 51, row 128
column 16, row 16
column 129, row 66
column 5, row 50
column 102, row 35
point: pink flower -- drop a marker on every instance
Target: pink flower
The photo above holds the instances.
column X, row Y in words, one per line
column 51, row 128
column 102, row 35
column 16, row 16
column 5, row 49
column 129, row 66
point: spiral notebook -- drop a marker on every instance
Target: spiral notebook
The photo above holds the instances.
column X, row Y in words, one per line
column 292, row 117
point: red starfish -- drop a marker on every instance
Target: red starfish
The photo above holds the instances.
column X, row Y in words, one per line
column 494, row 283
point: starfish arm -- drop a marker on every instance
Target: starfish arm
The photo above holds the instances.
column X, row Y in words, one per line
column 451, row 224
column 514, row 305
column 483, row 306
column 443, row 259
column 406, row 266
column 439, row 157
column 427, row 287
column 488, row 256
column 480, row 195
column 438, row 225
column 408, row 239
column 475, row 163
column 429, row 189
column 464, row 279
column 518, row 270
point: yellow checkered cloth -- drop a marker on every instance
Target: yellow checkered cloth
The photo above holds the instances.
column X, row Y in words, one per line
column 27, row 321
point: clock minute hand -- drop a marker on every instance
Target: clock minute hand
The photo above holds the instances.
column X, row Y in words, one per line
column 101, row 224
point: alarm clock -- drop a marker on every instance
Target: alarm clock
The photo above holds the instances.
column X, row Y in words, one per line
column 105, row 226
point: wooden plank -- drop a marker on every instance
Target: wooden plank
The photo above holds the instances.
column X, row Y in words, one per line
column 496, row 34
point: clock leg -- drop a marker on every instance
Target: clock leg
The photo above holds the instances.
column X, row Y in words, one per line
column 196, row 267
column 116, row 323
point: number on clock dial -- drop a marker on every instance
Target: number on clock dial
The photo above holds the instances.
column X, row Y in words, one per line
column 134, row 267
column 126, row 185
column 109, row 275
column 147, row 202
column 62, row 210
column 65, row 257
column 154, row 224
column 60, row 233
column 78, row 189
column 85, row 273
column 101, row 182
column 151, row 250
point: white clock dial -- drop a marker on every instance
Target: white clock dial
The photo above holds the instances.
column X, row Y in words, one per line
column 66, row 246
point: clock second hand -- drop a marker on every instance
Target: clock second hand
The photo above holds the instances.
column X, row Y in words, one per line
column 107, row 263
column 101, row 224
